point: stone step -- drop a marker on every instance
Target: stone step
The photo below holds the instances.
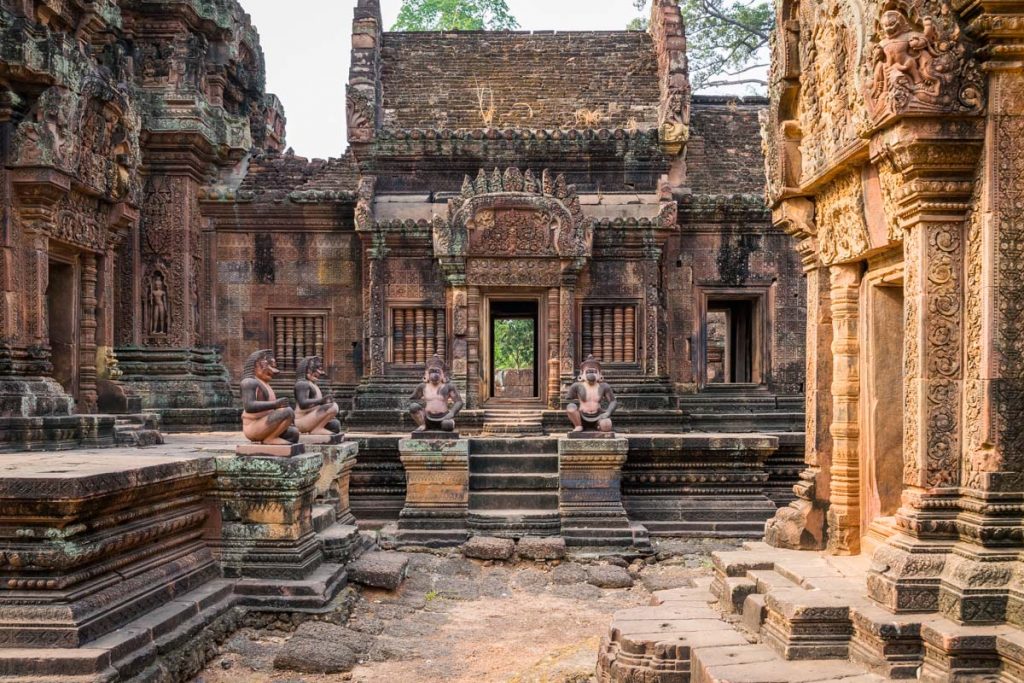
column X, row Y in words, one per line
column 513, row 446
column 515, row 523
column 513, row 482
column 132, row 651
column 755, row 663
column 512, row 500
column 536, row 463
column 323, row 517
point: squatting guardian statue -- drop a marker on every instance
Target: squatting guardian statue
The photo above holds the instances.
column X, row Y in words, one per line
column 591, row 400
column 435, row 402
column 266, row 418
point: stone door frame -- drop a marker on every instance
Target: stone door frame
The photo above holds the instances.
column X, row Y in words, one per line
column 542, row 331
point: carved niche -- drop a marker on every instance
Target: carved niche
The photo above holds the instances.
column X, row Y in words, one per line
column 922, row 62
column 502, row 222
column 842, row 228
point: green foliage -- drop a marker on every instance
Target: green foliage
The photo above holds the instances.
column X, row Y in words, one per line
column 431, row 596
column 513, row 344
column 726, row 40
column 454, row 15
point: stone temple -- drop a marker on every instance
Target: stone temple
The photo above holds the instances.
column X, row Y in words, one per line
column 805, row 307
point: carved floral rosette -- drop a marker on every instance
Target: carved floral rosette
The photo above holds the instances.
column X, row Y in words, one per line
column 921, row 62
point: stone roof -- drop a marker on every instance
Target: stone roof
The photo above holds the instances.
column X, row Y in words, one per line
column 542, row 80
column 724, row 155
column 275, row 177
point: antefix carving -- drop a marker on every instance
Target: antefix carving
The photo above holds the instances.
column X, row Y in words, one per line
column 922, row 62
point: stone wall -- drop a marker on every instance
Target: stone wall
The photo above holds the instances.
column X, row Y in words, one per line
column 541, row 80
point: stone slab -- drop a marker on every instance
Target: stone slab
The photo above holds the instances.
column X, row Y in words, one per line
column 437, row 435
column 322, row 439
column 489, row 548
column 264, row 450
column 591, row 435
column 608, row 576
column 380, row 569
column 541, row 548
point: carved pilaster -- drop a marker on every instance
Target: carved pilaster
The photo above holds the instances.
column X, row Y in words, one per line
column 87, row 396
column 844, row 512
column 801, row 525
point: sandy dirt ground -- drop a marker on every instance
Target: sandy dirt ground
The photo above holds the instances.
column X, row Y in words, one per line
column 456, row 620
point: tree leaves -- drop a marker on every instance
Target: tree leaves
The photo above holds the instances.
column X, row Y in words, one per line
column 454, row 15
column 726, row 40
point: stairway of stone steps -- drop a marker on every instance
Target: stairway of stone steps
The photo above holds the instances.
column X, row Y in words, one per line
column 774, row 615
column 740, row 408
column 513, row 487
column 138, row 430
column 511, row 421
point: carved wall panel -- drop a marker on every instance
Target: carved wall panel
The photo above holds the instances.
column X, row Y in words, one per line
column 842, row 229
column 484, row 272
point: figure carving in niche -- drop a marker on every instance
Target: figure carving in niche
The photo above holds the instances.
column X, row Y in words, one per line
column 266, row 418
column 435, row 402
column 156, row 306
column 904, row 58
column 315, row 413
column 591, row 400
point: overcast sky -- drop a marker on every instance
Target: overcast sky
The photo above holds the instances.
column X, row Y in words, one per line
column 307, row 45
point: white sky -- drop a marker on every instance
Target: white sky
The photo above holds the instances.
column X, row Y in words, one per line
column 307, row 45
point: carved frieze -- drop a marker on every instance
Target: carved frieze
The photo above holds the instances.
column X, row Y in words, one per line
column 842, row 230
column 486, row 272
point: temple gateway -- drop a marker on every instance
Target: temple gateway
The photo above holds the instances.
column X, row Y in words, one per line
column 546, row 301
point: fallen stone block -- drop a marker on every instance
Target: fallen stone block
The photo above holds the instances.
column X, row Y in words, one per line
column 541, row 548
column 379, row 570
column 609, row 576
column 489, row 548
column 314, row 656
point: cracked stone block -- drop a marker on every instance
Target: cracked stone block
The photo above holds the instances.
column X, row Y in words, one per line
column 609, row 576
column 489, row 548
column 541, row 548
column 379, row 570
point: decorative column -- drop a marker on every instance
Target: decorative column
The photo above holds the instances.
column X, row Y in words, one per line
column 652, row 282
column 375, row 306
column 927, row 173
column 844, row 512
column 801, row 525
column 87, row 395
column 436, row 492
column 554, row 387
column 567, row 326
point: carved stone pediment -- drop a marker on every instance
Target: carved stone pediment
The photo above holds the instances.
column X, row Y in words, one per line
column 513, row 215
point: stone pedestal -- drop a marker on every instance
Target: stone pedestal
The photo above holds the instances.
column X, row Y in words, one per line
column 436, row 493
column 270, row 451
column 590, row 495
column 264, row 533
column 335, row 476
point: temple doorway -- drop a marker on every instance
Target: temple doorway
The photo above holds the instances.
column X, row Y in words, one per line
column 732, row 352
column 514, row 347
column 63, row 324
column 881, row 447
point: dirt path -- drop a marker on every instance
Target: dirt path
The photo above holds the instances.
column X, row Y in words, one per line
column 456, row 620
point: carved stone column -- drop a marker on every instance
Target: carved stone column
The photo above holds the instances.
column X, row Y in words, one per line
column 652, row 285
column 87, row 396
column 554, row 388
column 801, row 525
column 844, row 512
column 926, row 171
column 376, row 323
column 567, row 326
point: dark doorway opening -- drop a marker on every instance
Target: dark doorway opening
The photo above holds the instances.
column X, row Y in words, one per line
column 63, row 325
column 730, row 342
column 514, row 372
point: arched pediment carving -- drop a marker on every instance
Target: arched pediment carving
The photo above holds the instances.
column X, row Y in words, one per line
column 514, row 215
